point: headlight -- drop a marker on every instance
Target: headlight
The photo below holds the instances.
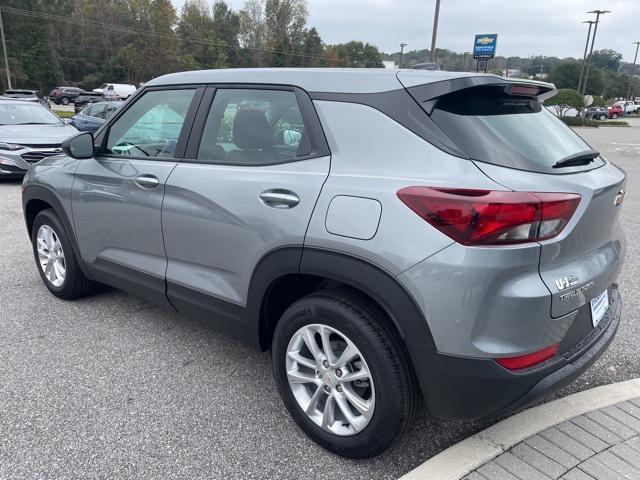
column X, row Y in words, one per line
column 10, row 146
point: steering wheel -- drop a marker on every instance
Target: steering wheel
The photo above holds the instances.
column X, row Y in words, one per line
column 129, row 144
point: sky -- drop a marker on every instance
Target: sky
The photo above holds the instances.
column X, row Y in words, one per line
column 524, row 27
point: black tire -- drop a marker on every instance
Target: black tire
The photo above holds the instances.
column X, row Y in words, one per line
column 75, row 284
column 65, row 101
column 614, row 116
column 395, row 386
column 603, row 117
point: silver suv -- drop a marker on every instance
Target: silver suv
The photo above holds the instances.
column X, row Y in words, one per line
column 385, row 234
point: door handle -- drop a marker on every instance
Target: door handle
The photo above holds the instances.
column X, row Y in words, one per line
column 146, row 181
column 279, row 198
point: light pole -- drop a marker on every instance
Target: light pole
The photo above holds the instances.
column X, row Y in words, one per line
column 432, row 56
column 595, row 31
column 402, row 45
column 633, row 69
column 4, row 49
column 584, row 56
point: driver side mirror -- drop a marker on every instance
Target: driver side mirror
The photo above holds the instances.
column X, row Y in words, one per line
column 79, row 146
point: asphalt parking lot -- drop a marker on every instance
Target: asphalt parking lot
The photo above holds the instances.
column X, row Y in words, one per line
column 113, row 387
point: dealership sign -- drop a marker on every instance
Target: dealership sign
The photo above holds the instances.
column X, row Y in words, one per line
column 484, row 46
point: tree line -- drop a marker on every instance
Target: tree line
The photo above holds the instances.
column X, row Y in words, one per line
column 608, row 77
column 88, row 42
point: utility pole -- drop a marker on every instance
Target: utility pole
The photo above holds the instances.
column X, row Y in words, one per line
column 4, row 49
column 402, row 45
column 584, row 57
column 593, row 41
column 432, row 57
column 633, row 69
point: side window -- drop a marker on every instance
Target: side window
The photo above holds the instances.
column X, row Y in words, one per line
column 110, row 87
column 151, row 126
column 109, row 111
column 253, row 127
column 98, row 110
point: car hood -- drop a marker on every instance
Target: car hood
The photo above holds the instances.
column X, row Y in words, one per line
column 36, row 134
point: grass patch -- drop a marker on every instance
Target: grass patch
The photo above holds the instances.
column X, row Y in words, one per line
column 588, row 122
column 580, row 122
column 63, row 113
column 614, row 123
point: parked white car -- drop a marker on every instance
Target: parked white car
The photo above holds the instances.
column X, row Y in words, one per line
column 116, row 91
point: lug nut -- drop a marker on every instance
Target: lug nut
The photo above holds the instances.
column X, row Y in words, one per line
column 338, row 373
column 327, row 389
column 325, row 364
column 339, row 388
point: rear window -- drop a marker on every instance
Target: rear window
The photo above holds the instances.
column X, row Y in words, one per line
column 491, row 126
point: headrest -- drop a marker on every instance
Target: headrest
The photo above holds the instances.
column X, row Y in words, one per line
column 251, row 130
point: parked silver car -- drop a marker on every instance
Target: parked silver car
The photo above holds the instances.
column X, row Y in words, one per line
column 381, row 232
column 29, row 132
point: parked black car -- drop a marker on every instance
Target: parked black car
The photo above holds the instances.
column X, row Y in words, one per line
column 64, row 95
column 86, row 98
column 26, row 95
column 596, row 113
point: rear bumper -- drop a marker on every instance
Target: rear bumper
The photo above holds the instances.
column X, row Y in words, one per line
column 470, row 389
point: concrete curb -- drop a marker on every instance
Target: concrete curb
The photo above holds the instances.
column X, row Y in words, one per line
column 464, row 457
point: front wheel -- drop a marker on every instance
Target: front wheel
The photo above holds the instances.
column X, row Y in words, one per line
column 603, row 117
column 342, row 374
column 55, row 259
column 614, row 116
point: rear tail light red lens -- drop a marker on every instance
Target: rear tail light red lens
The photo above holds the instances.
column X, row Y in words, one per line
column 486, row 217
column 530, row 359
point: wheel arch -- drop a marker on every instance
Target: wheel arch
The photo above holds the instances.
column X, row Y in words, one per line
column 36, row 198
column 303, row 271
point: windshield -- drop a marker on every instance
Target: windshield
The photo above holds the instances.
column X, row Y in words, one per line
column 491, row 126
column 26, row 114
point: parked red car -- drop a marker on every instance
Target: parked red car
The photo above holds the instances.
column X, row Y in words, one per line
column 615, row 111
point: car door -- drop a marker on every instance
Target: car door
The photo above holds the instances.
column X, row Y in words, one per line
column 89, row 119
column 117, row 195
column 256, row 162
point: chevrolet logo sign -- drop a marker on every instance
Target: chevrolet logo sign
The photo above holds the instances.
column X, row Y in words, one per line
column 485, row 40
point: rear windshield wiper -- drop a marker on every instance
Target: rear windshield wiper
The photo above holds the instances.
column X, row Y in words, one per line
column 584, row 157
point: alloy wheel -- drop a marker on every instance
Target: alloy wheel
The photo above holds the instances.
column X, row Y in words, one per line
column 330, row 379
column 51, row 255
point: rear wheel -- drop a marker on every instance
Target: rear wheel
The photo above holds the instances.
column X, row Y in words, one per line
column 342, row 373
column 614, row 116
column 603, row 117
column 55, row 259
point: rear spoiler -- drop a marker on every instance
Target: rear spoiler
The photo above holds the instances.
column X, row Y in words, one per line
column 427, row 94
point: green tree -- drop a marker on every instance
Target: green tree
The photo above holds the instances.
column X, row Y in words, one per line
column 312, row 49
column 196, row 31
column 606, row 59
column 567, row 73
column 564, row 100
column 226, row 28
column 355, row 54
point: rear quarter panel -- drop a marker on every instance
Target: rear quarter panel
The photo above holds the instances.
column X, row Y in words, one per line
column 373, row 157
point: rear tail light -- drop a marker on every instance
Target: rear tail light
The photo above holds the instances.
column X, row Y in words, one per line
column 486, row 217
column 530, row 359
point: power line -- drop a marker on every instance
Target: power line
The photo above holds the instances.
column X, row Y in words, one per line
column 147, row 32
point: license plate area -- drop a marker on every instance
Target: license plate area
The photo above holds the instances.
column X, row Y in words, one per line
column 599, row 306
